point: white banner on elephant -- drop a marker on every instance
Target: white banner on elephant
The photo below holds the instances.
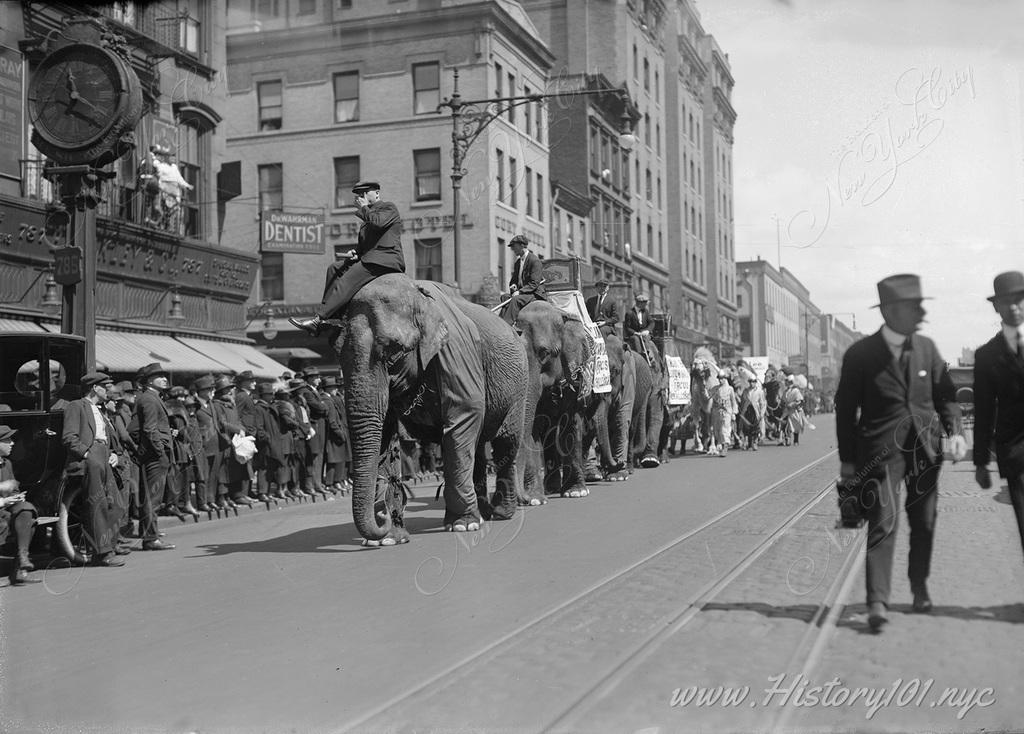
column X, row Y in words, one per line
column 678, row 381
column 759, row 365
column 602, row 370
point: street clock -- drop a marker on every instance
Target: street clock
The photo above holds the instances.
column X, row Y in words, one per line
column 84, row 102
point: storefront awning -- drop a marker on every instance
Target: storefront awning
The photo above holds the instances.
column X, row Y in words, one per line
column 237, row 357
column 122, row 351
column 9, row 325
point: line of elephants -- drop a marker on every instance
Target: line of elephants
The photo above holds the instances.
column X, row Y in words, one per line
column 457, row 375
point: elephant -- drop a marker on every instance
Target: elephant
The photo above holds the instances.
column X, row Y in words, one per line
column 454, row 374
column 559, row 349
column 649, row 403
column 607, row 416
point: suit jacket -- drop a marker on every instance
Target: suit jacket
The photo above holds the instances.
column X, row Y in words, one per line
column 246, row 411
column 337, row 432
column 228, row 422
column 533, row 274
column 317, row 417
column 609, row 312
column 78, row 436
column 877, row 410
column 208, row 428
column 999, row 406
column 154, row 425
column 380, row 236
column 635, row 322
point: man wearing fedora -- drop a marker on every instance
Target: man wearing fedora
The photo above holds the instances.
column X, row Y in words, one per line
column 336, row 452
column 603, row 309
column 245, row 386
column 308, row 396
column 892, row 385
column 999, row 395
column 209, row 430
column 378, row 251
column 270, row 458
column 90, row 463
column 232, row 474
column 527, row 282
column 154, row 441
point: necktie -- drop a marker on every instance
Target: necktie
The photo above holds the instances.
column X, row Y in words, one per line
column 905, row 359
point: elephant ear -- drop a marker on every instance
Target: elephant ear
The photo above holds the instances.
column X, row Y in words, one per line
column 432, row 327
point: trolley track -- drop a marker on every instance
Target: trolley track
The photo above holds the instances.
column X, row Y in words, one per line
column 624, row 618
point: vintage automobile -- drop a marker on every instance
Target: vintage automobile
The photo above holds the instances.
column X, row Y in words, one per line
column 39, row 375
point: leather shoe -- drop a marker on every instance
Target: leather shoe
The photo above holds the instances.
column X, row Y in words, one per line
column 922, row 602
column 155, row 545
column 310, row 326
column 122, row 550
column 25, row 562
column 108, row 560
column 877, row 617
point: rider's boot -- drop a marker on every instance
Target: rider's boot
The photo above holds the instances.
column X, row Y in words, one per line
column 310, row 326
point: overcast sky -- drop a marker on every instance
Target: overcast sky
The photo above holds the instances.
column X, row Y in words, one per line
column 885, row 136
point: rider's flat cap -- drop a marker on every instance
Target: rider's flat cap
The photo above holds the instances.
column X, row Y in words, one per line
column 519, row 239
column 363, row 186
column 96, row 378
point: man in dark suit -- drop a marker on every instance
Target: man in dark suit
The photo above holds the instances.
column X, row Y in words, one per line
column 999, row 395
column 891, row 386
column 89, row 462
column 245, row 387
column 308, row 393
column 209, row 430
column 378, row 251
column 154, row 441
column 638, row 318
column 527, row 282
column 603, row 309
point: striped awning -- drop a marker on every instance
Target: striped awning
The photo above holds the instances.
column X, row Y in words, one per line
column 236, row 357
column 13, row 325
column 122, row 351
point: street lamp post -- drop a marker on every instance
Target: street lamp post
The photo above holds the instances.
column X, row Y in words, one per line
column 471, row 117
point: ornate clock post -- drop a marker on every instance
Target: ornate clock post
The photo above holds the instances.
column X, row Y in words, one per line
column 84, row 103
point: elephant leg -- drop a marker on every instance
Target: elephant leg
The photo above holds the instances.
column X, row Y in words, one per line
column 505, row 450
column 573, row 483
column 480, row 481
column 458, row 445
column 548, row 437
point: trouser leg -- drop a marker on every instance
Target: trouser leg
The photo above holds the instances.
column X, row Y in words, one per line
column 922, row 511
column 153, row 475
column 1016, row 488
column 880, row 499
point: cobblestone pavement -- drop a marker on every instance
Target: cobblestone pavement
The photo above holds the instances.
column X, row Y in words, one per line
column 280, row 621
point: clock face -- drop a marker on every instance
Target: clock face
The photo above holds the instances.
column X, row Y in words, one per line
column 76, row 96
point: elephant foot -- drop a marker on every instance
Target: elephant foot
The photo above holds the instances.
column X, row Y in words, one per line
column 531, row 501
column 576, row 492
column 618, row 476
column 650, row 462
column 392, row 538
column 462, row 526
column 503, row 511
column 591, row 478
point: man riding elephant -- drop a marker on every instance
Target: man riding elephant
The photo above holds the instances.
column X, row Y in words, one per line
column 454, row 374
column 527, row 282
column 379, row 251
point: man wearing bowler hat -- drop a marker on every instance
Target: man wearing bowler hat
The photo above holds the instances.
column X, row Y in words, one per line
column 154, row 431
column 603, row 309
column 89, row 464
column 378, row 251
column 527, row 282
column 891, row 386
column 999, row 394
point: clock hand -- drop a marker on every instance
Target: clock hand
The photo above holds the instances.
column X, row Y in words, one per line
column 88, row 118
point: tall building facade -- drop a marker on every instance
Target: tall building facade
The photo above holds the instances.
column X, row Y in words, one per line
column 168, row 288
column 349, row 92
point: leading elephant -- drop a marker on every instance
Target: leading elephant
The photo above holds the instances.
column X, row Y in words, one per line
column 453, row 373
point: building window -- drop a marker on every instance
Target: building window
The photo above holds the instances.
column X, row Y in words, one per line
column 647, row 75
column 306, row 7
column 272, row 276
column 513, row 182
column 636, row 63
column 528, row 112
column 540, row 197
column 512, row 93
column 267, row 9
column 346, row 176
column 346, row 96
column 428, row 259
column 193, row 152
column 426, row 84
column 657, row 87
column 499, row 178
column 649, row 187
column 625, row 173
column 499, row 80
column 428, row 174
column 529, row 191
column 271, row 187
column 269, row 94
column 595, row 150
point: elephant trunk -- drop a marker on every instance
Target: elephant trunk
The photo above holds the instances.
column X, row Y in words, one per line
column 366, row 412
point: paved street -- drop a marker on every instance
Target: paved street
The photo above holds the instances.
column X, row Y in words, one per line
column 577, row 616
